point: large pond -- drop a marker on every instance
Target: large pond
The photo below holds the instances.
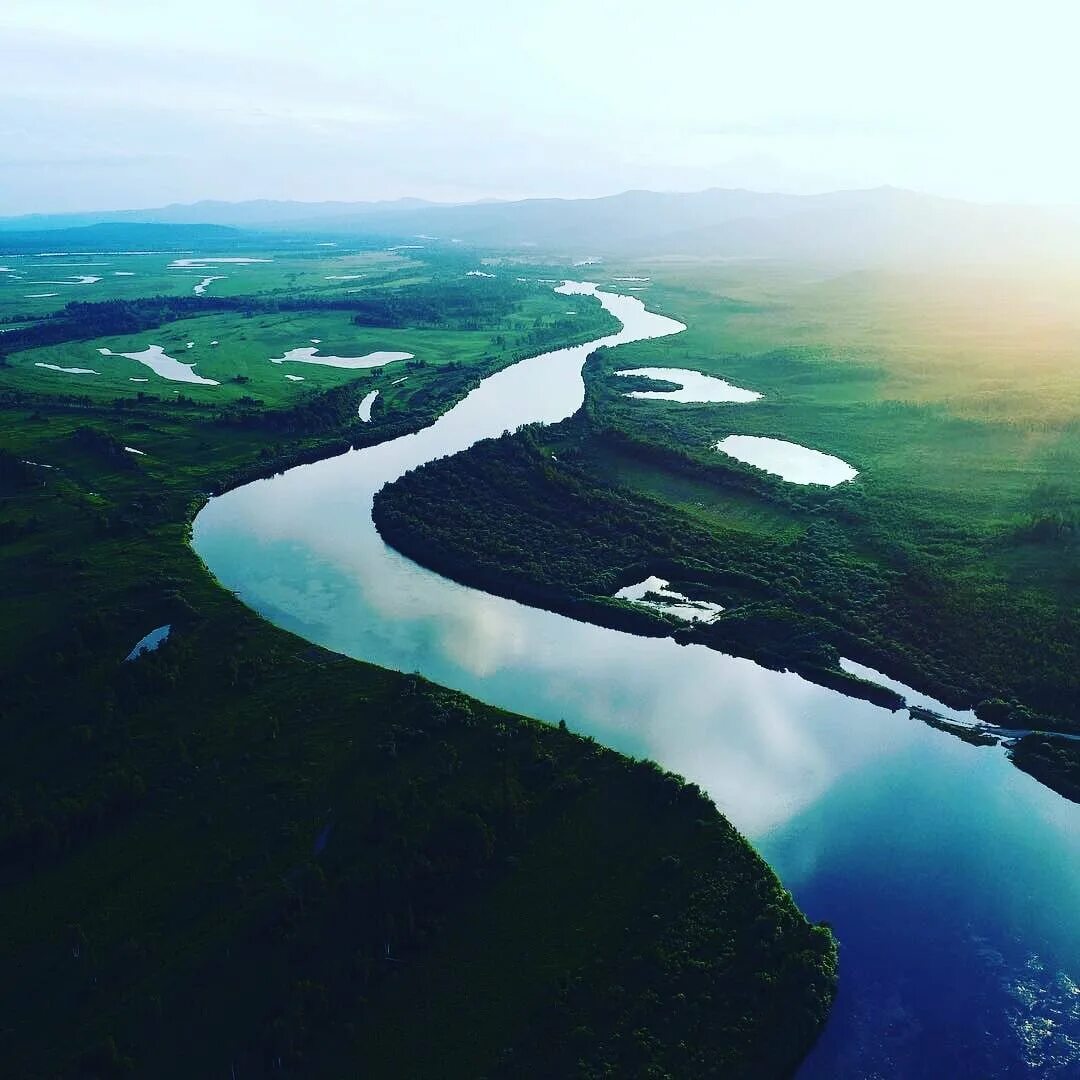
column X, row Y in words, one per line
column 693, row 386
column 790, row 461
column 951, row 878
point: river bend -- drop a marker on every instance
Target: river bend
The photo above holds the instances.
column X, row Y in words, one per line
column 951, row 878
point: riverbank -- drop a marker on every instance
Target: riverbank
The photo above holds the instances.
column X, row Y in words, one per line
column 1054, row 762
column 816, row 778
column 246, row 851
column 953, row 553
column 565, row 543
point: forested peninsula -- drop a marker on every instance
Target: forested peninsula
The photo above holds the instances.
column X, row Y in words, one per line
column 563, row 517
column 242, row 852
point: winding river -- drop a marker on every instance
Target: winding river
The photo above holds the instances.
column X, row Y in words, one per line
column 951, row 878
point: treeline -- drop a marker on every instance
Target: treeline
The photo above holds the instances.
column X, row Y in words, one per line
column 505, row 517
column 318, row 413
column 83, row 321
column 241, row 855
column 330, row 829
column 677, row 1003
column 1053, row 762
column 473, row 306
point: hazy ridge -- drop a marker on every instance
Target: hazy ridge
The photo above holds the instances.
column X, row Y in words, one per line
column 875, row 225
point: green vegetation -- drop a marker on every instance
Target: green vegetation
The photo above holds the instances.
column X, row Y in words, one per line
column 558, row 538
column 240, row 853
column 1053, row 762
column 452, row 337
column 322, row 272
column 956, row 397
column 950, row 563
column 975, row 736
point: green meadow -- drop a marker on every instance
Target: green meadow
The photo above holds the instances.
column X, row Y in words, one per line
column 241, row 359
column 128, row 276
column 955, row 397
column 950, row 562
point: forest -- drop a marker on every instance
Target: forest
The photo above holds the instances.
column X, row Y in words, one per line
column 243, row 853
column 505, row 516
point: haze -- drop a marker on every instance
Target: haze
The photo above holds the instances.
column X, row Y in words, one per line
column 122, row 104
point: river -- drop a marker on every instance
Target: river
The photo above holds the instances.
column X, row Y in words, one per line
column 951, row 878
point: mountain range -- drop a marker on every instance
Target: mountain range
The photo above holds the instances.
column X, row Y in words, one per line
column 873, row 225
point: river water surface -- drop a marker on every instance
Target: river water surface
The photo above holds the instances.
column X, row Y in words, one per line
column 952, row 879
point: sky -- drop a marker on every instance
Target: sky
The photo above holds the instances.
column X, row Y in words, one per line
column 109, row 104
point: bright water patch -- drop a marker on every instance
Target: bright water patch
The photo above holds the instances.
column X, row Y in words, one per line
column 80, row 279
column 693, row 386
column 167, row 367
column 670, row 602
column 927, row 855
column 68, row 370
column 208, row 263
column 307, row 355
column 364, row 408
column 790, row 461
column 200, row 289
column 910, row 696
column 150, row 642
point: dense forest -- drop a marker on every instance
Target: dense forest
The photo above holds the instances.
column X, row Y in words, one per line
column 1055, row 762
column 527, row 515
column 239, row 854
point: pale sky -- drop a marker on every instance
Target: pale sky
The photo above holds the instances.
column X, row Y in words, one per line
column 134, row 103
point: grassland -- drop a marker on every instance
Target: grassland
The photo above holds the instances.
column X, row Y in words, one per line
column 957, row 398
column 243, row 855
column 949, row 563
column 241, row 359
column 326, row 272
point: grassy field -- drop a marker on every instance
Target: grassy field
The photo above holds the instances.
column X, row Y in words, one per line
column 244, row 855
column 321, row 271
column 241, row 359
column 951, row 561
column 958, row 399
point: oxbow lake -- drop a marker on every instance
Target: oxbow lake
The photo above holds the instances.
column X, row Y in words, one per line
column 951, row 878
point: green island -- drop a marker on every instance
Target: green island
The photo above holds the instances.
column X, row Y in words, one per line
column 950, row 563
column 239, row 854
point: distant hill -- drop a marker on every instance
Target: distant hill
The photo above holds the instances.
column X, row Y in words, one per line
column 121, row 236
column 255, row 213
column 869, row 226
column 876, row 225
